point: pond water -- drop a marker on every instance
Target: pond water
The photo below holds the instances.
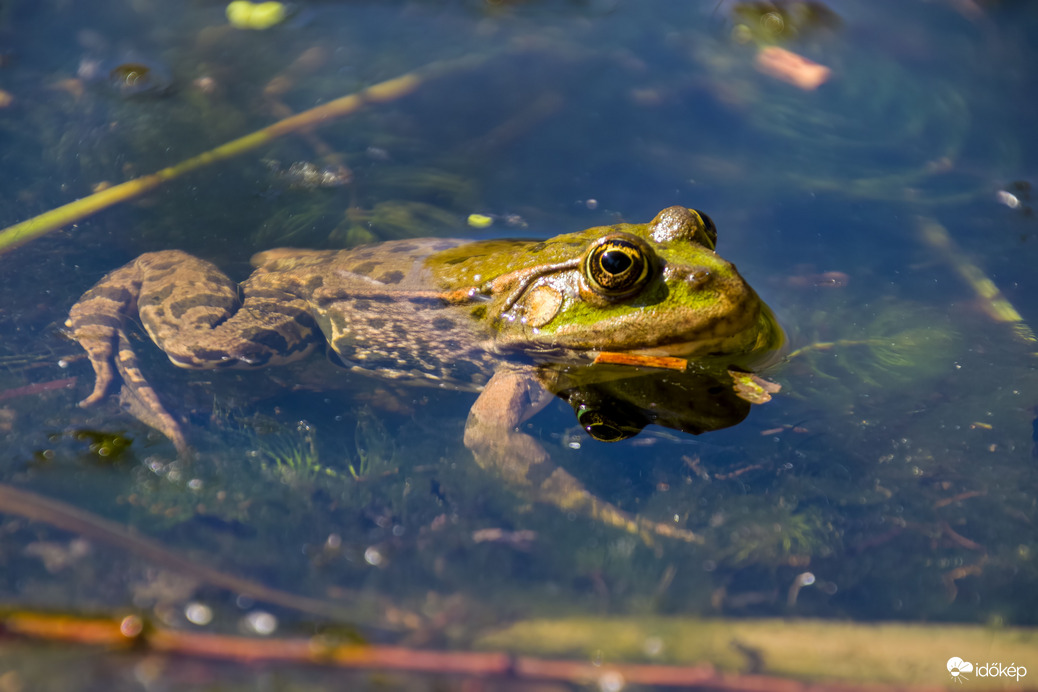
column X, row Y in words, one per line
column 885, row 215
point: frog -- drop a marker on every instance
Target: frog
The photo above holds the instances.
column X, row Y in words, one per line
column 509, row 320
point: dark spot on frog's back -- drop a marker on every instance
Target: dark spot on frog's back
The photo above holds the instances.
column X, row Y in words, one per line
column 364, row 268
column 376, row 323
column 153, row 297
column 443, row 324
column 391, row 277
column 405, row 247
column 118, row 294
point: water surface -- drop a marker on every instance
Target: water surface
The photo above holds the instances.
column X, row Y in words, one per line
column 895, row 468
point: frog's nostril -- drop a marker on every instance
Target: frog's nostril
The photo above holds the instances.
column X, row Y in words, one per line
column 694, row 276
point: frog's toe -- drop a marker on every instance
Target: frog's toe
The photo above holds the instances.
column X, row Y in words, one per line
column 102, row 382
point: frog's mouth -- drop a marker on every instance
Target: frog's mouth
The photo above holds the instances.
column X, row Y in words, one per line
column 761, row 343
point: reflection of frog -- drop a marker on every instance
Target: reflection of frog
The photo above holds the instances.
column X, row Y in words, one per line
column 695, row 401
column 505, row 317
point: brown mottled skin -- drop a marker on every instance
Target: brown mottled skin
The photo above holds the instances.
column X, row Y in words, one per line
column 494, row 316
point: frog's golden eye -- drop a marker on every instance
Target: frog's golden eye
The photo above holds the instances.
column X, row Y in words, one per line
column 618, row 265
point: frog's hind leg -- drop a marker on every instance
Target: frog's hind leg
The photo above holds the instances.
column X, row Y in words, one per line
column 142, row 287
column 96, row 322
column 195, row 316
column 142, row 401
column 192, row 311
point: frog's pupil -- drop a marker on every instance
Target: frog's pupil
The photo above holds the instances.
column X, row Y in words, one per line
column 616, row 262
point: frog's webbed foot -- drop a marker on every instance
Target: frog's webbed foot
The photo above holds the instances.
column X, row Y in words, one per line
column 511, row 397
column 114, row 360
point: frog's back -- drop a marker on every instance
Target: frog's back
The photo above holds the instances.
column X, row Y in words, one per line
column 383, row 311
column 398, row 265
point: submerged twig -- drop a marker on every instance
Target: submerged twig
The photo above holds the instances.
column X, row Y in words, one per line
column 123, row 632
column 38, row 388
column 992, row 300
column 68, row 518
column 383, row 92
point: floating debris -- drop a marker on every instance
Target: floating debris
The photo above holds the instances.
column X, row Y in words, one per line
column 128, row 77
column 256, row 16
column 486, row 220
column 789, row 67
column 139, row 79
column 307, row 176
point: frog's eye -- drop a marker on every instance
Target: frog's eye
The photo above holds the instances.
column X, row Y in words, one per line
column 618, row 265
column 604, row 428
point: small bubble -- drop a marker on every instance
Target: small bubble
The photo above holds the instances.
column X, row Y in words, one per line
column 334, row 541
column 611, row 681
column 591, row 204
column 653, row 646
column 131, row 626
column 372, row 556
column 260, row 622
column 773, row 23
column 195, row 484
column 1008, row 199
column 574, row 445
column 198, row 614
column 62, row 363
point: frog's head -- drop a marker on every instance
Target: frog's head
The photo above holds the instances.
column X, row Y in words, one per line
column 651, row 289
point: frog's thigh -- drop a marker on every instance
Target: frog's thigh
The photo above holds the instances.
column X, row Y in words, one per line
column 182, row 298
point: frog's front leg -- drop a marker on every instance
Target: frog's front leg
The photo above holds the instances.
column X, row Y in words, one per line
column 192, row 311
column 511, row 397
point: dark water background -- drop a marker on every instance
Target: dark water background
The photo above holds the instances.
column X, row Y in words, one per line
column 897, row 466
